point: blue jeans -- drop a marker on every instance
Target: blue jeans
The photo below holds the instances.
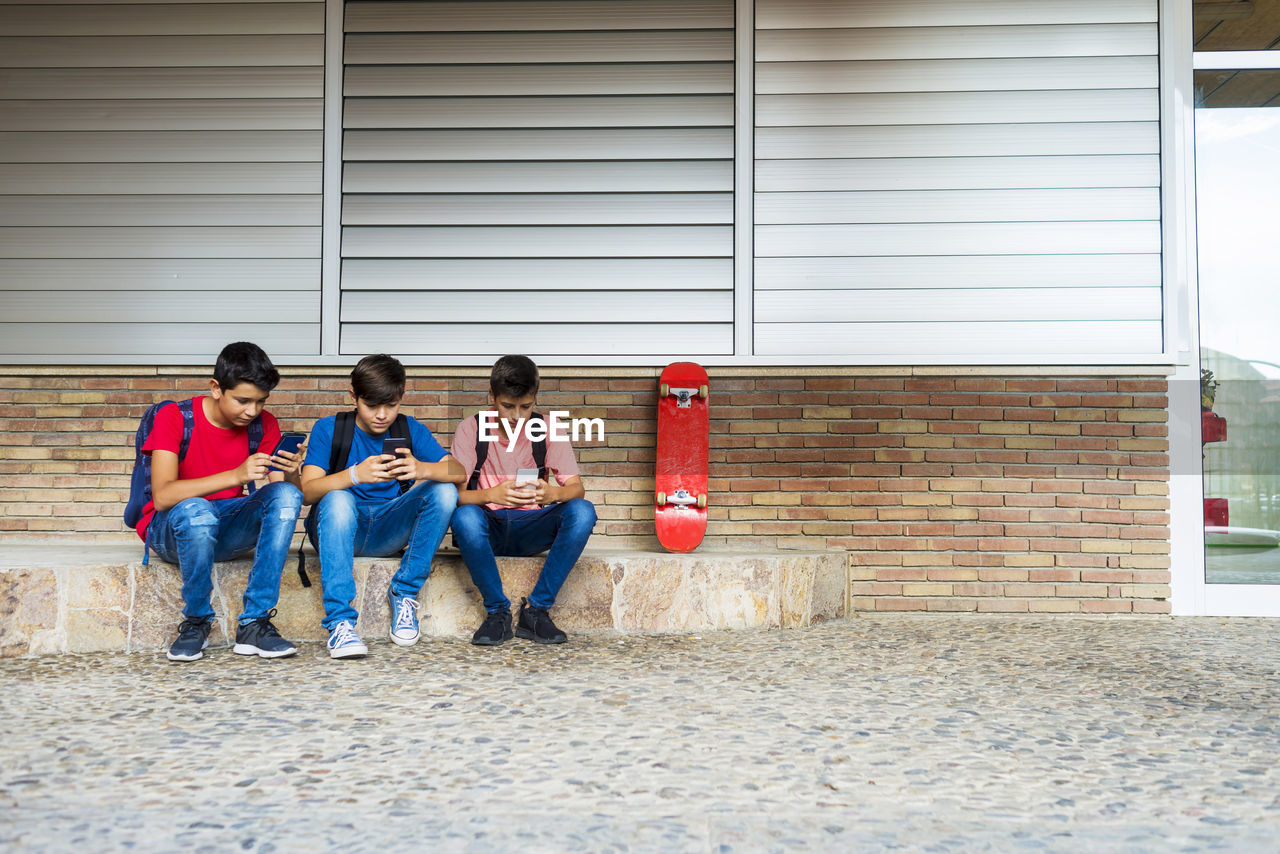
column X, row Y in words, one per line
column 196, row 532
column 340, row 527
column 482, row 534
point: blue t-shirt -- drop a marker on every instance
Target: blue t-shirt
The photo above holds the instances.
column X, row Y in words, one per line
column 363, row 446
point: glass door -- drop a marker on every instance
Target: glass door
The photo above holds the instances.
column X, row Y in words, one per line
column 1237, row 161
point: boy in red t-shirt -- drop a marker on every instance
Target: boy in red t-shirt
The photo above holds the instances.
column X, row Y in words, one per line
column 500, row 514
column 199, row 513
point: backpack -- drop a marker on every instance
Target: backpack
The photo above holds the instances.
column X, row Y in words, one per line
column 140, row 480
column 482, row 453
column 344, row 433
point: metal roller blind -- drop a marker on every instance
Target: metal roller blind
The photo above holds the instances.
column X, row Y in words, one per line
column 160, row 177
column 957, row 179
column 553, row 178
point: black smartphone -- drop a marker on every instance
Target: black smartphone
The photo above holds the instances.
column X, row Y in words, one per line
column 391, row 443
column 289, row 442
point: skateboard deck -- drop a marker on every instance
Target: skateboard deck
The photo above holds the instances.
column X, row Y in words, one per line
column 680, row 482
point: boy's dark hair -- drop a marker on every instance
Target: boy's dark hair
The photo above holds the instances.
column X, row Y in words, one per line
column 378, row 379
column 513, row 376
column 243, row 362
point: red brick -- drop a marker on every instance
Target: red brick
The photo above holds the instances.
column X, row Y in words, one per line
column 1052, row 575
column 901, row 604
column 980, row 384
column 1106, row 606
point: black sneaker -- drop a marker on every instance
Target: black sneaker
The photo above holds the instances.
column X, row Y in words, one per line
column 259, row 637
column 193, row 637
column 535, row 625
column 495, row 629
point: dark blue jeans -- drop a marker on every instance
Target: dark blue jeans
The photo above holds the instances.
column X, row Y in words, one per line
column 196, row 532
column 340, row 527
column 482, row 534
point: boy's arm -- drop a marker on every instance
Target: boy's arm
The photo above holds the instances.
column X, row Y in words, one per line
column 549, row 492
column 448, row 470
column 316, row 484
column 167, row 490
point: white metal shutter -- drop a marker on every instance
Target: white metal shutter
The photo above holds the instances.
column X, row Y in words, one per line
column 160, row 177
column 957, row 178
column 552, row 178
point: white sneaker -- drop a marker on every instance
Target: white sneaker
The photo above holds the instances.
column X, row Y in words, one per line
column 404, row 619
column 345, row 643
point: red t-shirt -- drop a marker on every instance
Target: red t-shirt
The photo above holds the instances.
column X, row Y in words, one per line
column 212, row 449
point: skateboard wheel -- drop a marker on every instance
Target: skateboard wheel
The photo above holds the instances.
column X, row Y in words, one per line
column 703, row 391
column 702, row 499
column 664, row 390
column 662, row 499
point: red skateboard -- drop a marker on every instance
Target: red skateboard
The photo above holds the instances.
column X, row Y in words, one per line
column 680, row 487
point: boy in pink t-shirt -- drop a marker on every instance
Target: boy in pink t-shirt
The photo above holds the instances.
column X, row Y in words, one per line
column 500, row 513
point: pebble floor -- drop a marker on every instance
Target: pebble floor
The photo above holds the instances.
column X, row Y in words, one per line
column 869, row 734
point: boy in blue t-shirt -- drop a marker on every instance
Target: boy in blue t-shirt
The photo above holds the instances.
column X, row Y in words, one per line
column 365, row 506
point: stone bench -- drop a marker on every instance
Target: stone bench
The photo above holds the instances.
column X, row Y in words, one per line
column 93, row 597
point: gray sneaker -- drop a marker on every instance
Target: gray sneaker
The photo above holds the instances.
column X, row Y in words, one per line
column 193, row 637
column 258, row 637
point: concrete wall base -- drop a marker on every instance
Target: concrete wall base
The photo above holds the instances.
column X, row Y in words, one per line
column 96, row 597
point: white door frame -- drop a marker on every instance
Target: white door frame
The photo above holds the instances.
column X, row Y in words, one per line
column 1191, row 595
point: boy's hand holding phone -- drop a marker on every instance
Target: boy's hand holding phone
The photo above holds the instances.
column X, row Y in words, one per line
column 520, row 492
column 255, row 468
column 371, row 470
column 290, row 453
column 400, row 462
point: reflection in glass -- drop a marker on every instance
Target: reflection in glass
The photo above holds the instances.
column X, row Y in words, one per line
column 1238, row 220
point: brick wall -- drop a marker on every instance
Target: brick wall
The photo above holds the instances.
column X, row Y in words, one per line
column 963, row 492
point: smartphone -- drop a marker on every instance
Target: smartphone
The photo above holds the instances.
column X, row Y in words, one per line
column 288, row 442
column 526, row 478
column 391, row 443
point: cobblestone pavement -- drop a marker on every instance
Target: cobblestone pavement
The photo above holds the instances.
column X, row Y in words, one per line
column 873, row 733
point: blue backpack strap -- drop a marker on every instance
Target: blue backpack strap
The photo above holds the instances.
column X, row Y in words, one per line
column 186, row 407
column 256, row 431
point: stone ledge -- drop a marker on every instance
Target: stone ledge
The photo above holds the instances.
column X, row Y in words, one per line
column 91, row 598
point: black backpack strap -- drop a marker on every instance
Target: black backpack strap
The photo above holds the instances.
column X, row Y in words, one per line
column 344, row 432
column 302, row 564
column 540, row 451
column 482, row 453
